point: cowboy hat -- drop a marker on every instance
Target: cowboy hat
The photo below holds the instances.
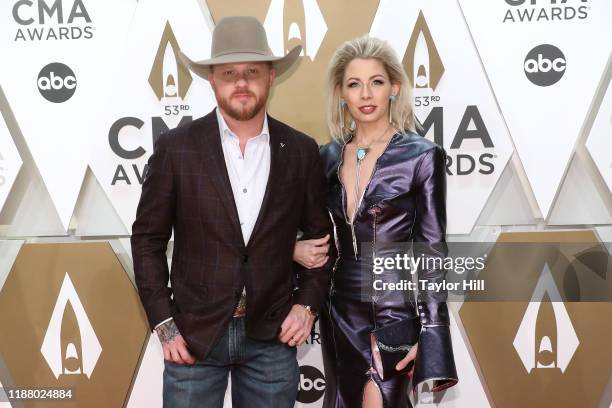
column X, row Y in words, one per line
column 241, row 39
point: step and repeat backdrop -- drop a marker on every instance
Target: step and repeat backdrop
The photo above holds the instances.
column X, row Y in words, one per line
column 517, row 91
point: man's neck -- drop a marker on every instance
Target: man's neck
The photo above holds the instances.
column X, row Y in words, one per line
column 245, row 129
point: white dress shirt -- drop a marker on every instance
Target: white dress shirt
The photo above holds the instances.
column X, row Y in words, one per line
column 248, row 173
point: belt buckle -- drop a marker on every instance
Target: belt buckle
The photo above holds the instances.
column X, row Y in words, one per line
column 239, row 311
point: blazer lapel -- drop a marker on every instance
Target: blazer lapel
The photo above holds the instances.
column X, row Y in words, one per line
column 278, row 146
column 210, row 140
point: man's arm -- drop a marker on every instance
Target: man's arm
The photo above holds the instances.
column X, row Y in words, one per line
column 313, row 284
column 314, row 223
column 150, row 234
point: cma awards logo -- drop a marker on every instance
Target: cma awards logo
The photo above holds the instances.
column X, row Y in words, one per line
column 545, row 65
column 535, row 11
column 425, row 69
column 311, row 385
column 295, row 22
column 546, row 338
column 56, row 82
column 70, row 346
column 52, row 20
column 169, row 80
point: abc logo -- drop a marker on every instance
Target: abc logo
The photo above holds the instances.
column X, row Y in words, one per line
column 312, row 385
column 56, row 82
column 545, row 65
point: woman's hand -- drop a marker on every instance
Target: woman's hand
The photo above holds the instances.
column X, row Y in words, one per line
column 406, row 360
column 311, row 253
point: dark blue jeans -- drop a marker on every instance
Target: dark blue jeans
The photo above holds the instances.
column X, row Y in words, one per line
column 265, row 374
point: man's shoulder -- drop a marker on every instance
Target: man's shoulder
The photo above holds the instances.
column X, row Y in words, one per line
column 296, row 136
column 187, row 132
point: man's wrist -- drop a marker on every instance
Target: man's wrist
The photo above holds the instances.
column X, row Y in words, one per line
column 167, row 331
column 313, row 312
column 162, row 322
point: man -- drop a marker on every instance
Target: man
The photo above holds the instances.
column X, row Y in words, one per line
column 235, row 185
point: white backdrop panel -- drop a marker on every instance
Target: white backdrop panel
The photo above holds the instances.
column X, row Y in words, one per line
column 544, row 61
column 57, row 57
column 599, row 143
column 10, row 162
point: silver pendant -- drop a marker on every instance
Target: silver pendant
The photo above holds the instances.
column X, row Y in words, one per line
column 361, row 153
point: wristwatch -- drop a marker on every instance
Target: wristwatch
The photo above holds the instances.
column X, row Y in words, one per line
column 311, row 310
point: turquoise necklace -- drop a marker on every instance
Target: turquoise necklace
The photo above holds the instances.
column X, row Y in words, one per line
column 362, row 152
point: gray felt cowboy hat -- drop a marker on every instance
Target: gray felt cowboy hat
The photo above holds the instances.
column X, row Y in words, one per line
column 241, row 39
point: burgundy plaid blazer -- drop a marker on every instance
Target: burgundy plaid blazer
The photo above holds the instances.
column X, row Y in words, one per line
column 187, row 189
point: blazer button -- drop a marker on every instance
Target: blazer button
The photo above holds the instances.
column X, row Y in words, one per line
column 245, row 258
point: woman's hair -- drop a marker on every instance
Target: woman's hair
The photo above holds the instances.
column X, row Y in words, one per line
column 366, row 47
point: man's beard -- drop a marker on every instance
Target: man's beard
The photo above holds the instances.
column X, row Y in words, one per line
column 245, row 112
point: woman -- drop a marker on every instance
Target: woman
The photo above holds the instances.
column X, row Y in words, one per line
column 386, row 184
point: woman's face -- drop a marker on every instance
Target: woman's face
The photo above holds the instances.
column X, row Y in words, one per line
column 366, row 88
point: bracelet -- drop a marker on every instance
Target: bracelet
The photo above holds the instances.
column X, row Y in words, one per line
column 311, row 310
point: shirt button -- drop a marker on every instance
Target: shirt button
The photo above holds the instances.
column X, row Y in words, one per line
column 244, row 190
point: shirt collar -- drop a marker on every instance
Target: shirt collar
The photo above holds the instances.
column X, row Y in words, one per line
column 226, row 132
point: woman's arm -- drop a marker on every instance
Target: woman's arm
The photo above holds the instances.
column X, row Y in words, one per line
column 435, row 360
column 312, row 253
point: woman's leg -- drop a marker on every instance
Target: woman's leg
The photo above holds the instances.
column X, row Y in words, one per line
column 372, row 397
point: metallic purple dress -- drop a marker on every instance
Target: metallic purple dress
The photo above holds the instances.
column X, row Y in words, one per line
column 404, row 202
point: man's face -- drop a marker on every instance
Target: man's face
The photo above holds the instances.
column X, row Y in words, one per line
column 242, row 89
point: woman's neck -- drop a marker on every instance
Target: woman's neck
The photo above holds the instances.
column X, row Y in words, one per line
column 368, row 133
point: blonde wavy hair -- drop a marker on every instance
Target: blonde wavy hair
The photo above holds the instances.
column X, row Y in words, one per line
column 366, row 47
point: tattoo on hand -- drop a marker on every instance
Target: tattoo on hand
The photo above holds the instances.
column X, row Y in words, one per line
column 167, row 331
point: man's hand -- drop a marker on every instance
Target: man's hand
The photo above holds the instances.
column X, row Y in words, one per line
column 406, row 360
column 175, row 347
column 297, row 326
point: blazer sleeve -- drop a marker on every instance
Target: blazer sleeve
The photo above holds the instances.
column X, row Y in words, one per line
column 151, row 231
column 313, row 284
column 435, row 360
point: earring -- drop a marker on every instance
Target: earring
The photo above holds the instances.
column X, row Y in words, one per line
column 341, row 113
column 392, row 98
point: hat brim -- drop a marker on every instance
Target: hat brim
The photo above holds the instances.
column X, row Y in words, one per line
column 280, row 64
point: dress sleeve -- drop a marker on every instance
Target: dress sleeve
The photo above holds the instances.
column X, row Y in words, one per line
column 435, row 360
